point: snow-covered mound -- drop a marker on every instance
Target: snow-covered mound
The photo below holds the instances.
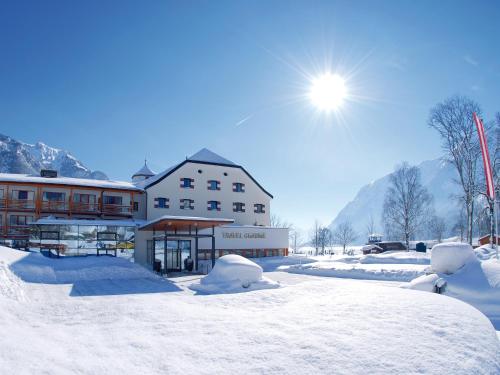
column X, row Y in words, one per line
column 396, row 257
column 389, row 272
column 11, row 286
column 233, row 273
column 485, row 252
column 450, row 257
column 467, row 278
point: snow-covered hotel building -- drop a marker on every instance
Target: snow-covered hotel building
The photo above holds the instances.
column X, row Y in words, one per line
column 201, row 208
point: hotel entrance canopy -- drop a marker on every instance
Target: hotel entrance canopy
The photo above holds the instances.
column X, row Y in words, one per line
column 168, row 227
column 168, row 223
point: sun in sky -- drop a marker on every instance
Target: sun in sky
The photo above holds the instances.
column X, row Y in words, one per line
column 328, row 92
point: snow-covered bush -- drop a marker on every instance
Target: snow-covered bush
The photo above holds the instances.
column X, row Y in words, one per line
column 485, row 252
column 450, row 257
column 233, row 273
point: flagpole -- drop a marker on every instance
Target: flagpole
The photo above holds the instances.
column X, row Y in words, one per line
column 495, row 208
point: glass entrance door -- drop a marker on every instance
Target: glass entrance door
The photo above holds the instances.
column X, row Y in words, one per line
column 176, row 252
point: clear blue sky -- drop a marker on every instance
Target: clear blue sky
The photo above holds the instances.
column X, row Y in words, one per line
column 114, row 82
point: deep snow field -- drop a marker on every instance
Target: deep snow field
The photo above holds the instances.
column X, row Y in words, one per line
column 102, row 315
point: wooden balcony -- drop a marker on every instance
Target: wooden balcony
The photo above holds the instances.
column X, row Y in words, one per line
column 117, row 209
column 65, row 207
column 54, row 206
column 18, row 204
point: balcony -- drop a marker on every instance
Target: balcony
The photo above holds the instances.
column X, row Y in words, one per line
column 18, row 204
column 54, row 206
column 84, row 208
column 116, row 209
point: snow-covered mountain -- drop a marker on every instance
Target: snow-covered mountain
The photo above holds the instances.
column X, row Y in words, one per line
column 19, row 157
column 437, row 176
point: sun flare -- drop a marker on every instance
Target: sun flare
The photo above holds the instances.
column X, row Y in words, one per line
column 328, row 92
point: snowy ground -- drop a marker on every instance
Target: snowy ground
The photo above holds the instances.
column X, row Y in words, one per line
column 74, row 316
column 393, row 266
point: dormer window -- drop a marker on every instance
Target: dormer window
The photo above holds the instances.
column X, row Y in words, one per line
column 213, row 205
column 259, row 208
column 213, row 185
column 238, row 207
column 187, row 204
column 238, row 187
column 187, row 183
column 161, row 202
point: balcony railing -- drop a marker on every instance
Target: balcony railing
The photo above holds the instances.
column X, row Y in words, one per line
column 116, row 209
column 65, row 206
column 19, row 204
column 54, row 206
column 79, row 207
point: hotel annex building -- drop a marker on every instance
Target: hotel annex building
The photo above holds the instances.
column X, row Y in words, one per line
column 201, row 208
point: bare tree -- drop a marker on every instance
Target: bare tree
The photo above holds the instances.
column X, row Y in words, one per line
column 370, row 226
column 277, row 222
column 437, row 227
column 344, row 234
column 406, row 203
column 315, row 236
column 454, row 123
column 324, row 238
column 460, row 226
column 295, row 239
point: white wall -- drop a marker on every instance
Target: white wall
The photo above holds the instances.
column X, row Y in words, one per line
column 235, row 238
column 170, row 188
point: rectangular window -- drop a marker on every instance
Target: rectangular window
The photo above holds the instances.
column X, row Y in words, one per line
column 22, row 195
column 187, row 183
column 213, row 205
column 259, row 208
column 161, row 203
column 53, row 196
column 213, row 185
column 238, row 187
column 136, row 206
column 112, row 199
column 238, row 207
column 20, row 220
column 84, row 198
column 187, row 204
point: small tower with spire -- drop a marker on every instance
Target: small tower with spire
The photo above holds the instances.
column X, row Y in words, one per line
column 143, row 174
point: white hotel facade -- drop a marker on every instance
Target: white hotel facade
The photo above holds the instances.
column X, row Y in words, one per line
column 190, row 214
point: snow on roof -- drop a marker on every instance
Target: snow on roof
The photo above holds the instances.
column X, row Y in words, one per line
column 144, row 171
column 207, row 156
column 109, row 184
column 186, row 218
column 118, row 223
column 145, row 183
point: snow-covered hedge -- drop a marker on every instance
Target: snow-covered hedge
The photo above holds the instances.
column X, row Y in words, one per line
column 449, row 257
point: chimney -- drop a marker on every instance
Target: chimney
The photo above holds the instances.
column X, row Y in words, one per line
column 48, row 173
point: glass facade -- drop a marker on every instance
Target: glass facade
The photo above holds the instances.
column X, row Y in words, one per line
column 74, row 240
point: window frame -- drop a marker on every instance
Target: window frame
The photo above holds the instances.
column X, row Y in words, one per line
column 238, row 207
column 183, row 183
column 182, row 204
column 238, row 187
column 259, row 208
column 210, row 206
column 162, row 199
column 217, row 185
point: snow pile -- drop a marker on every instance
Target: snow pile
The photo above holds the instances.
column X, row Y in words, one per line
column 11, row 286
column 396, row 257
column 485, row 252
column 389, row 272
column 467, row 278
column 36, row 268
column 233, row 273
column 450, row 257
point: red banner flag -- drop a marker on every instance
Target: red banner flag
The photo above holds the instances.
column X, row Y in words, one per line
column 490, row 187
